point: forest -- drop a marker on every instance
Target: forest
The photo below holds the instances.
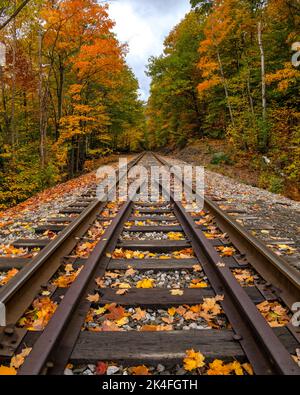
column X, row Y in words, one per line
column 227, row 73
column 67, row 94
column 68, row 97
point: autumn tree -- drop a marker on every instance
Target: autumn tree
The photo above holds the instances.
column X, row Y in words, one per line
column 174, row 111
column 66, row 92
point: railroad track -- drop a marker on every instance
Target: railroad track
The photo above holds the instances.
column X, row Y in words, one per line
column 121, row 306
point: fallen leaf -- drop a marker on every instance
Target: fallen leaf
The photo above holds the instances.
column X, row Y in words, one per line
column 146, row 283
column 124, row 286
column 139, row 314
column 122, row 321
column 100, row 282
column 107, row 326
column 69, row 268
column 248, row 368
column 130, row 272
column 101, row 368
column 200, row 284
column 93, row 298
column 193, row 360
column 221, row 264
column 140, row 371
column 168, row 320
column 38, row 316
column 115, row 312
column 100, row 311
column 219, row 368
column 112, row 274
column 176, row 292
column 148, row 328
column 226, row 251
column 7, row 371
column 274, row 313
column 197, row 268
column 121, row 291
column 175, row 236
column 172, row 311
column 18, row 360
column 9, row 275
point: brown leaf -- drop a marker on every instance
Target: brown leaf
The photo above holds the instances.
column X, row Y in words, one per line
column 197, row 268
column 168, row 320
column 139, row 314
column 93, row 298
column 18, row 360
column 109, row 326
column 115, row 312
column 100, row 282
column 148, row 328
column 122, row 292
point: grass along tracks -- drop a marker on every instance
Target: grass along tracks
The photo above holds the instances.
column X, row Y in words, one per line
column 158, row 284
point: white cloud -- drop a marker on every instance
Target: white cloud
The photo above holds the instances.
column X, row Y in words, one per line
column 144, row 24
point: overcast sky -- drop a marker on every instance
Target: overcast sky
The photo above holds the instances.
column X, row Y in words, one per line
column 144, row 24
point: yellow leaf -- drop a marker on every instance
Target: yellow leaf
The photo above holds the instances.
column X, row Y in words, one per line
column 218, row 368
column 193, row 360
column 122, row 321
column 175, row 292
column 172, row 311
column 198, row 285
column 69, row 268
column 248, row 368
column 146, row 283
column 124, row 286
column 100, row 311
column 6, row 371
column 237, row 368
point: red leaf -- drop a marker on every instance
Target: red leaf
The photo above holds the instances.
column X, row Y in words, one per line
column 101, row 368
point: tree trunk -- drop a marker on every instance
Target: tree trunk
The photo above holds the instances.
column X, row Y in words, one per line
column 14, row 137
column 59, row 97
column 225, row 87
column 263, row 72
column 249, row 94
column 42, row 103
column 4, row 103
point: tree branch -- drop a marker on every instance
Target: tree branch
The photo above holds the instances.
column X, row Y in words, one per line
column 17, row 11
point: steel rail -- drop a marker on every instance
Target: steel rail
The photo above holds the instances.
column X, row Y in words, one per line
column 37, row 360
column 18, row 294
column 269, row 265
column 262, row 347
column 264, row 350
column 65, row 325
